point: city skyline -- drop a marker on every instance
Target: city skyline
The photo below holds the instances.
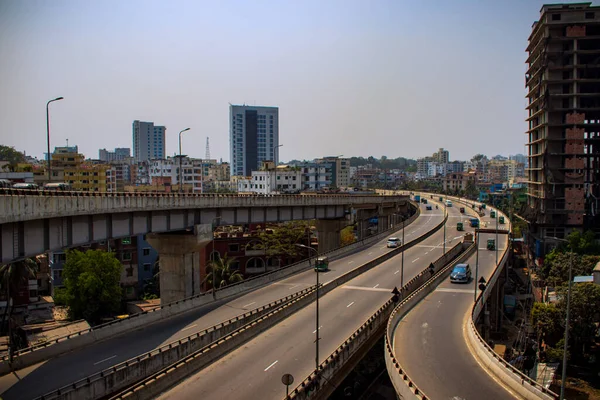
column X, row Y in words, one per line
column 363, row 77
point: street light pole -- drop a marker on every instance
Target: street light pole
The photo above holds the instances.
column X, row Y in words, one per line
column 445, row 212
column 317, row 304
column 180, row 157
column 48, row 136
column 402, row 269
column 209, row 256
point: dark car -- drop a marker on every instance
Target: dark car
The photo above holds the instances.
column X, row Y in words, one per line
column 461, row 273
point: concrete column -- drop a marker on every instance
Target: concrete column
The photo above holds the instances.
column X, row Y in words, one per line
column 328, row 232
column 180, row 261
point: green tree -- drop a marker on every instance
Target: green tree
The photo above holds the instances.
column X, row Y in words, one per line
column 11, row 155
column 91, row 281
column 556, row 267
column 281, row 239
column 585, row 298
column 545, row 318
column 347, row 235
column 224, row 274
column 12, row 278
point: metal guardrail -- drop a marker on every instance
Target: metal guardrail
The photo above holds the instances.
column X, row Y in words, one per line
column 41, row 345
column 113, row 371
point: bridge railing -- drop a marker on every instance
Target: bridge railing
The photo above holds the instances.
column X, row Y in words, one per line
column 170, row 309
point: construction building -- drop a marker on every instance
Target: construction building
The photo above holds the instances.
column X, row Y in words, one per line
column 563, row 84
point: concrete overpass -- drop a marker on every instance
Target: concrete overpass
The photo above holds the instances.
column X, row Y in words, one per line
column 78, row 364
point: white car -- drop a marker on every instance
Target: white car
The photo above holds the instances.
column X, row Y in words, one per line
column 394, row 242
column 448, row 203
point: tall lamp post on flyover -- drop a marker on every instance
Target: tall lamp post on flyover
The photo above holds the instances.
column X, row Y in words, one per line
column 180, row 158
column 317, row 314
column 48, row 135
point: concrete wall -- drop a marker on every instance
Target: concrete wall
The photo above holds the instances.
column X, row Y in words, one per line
column 47, row 350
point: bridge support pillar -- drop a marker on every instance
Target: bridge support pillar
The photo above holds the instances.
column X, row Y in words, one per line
column 179, row 255
column 328, row 231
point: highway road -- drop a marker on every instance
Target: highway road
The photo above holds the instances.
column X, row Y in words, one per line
column 254, row 371
column 44, row 377
column 430, row 345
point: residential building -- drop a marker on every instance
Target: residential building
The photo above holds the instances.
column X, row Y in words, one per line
column 441, row 156
column 423, row 167
column 91, row 177
column 195, row 172
column 458, row 181
column 148, row 141
column 271, row 179
column 564, row 122
column 253, row 137
column 117, row 155
column 340, row 168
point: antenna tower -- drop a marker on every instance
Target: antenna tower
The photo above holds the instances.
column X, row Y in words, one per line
column 207, row 149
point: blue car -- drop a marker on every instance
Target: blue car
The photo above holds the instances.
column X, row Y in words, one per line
column 461, row 273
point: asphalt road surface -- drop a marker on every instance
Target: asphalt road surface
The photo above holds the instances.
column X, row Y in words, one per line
column 50, row 375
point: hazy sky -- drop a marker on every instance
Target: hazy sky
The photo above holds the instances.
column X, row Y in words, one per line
column 395, row 78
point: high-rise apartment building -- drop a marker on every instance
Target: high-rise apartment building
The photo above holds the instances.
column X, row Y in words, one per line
column 253, row 137
column 148, row 141
column 442, row 156
column 563, row 83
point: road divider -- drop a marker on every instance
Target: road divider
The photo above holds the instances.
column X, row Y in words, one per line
column 49, row 349
column 127, row 373
column 322, row 382
column 170, row 375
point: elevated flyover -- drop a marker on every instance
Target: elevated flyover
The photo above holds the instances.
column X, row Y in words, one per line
column 36, row 380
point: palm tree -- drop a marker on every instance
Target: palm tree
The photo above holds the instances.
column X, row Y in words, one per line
column 223, row 273
column 12, row 276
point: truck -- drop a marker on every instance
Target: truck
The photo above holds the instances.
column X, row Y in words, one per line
column 474, row 222
column 417, row 198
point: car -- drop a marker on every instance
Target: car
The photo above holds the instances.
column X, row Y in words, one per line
column 428, row 207
column 394, row 242
column 448, row 203
column 461, row 273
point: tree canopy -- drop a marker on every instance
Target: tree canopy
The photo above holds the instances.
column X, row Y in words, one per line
column 11, row 155
column 91, row 281
column 282, row 238
column 224, row 274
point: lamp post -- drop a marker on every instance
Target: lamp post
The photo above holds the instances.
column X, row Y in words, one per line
column 566, row 346
column 402, row 268
column 445, row 201
column 180, row 157
column 317, row 313
column 476, row 261
column 48, row 135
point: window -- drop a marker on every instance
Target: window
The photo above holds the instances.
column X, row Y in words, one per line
column 234, row 247
column 126, row 256
column 129, row 290
column 589, row 15
column 555, row 17
column 146, row 251
column 147, row 267
column 126, row 240
column 129, row 271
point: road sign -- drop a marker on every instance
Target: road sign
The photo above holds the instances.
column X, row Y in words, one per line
column 287, row 379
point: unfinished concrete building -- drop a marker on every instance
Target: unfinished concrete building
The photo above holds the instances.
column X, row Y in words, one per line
column 563, row 84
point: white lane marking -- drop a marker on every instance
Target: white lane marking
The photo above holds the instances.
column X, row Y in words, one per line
column 350, row 262
column 348, row 306
column 375, row 287
column 249, row 304
column 426, row 252
column 368, row 289
column 396, row 272
column 416, row 259
column 294, row 286
column 276, row 361
column 370, row 253
column 449, row 290
column 315, row 331
column 106, row 359
column 189, row 327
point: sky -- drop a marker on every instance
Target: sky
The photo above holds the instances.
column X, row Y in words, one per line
column 399, row 78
